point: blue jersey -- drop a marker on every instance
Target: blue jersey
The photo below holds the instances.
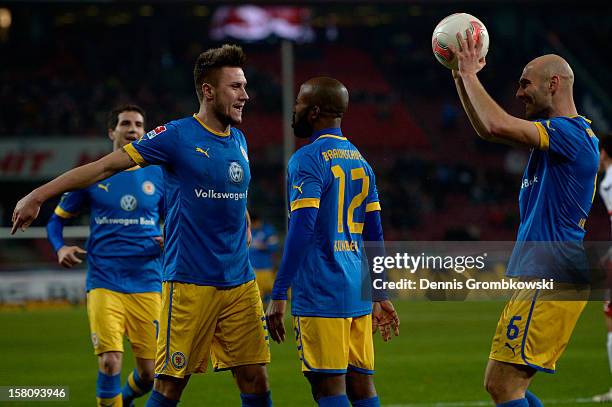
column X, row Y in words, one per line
column 557, row 192
column 330, row 174
column 124, row 220
column 263, row 245
column 207, row 178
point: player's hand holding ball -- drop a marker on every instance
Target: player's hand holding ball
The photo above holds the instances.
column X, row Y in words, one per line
column 460, row 42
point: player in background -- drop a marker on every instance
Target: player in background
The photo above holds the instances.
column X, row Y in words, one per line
column 556, row 195
column 124, row 263
column 605, row 191
column 334, row 207
column 264, row 244
column 210, row 301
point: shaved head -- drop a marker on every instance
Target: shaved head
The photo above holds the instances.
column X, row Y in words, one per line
column 546, row 88
column 321, row 103
column 552, row 65
column 328, row 93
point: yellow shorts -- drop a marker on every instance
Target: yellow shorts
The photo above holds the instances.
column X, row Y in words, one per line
column 265, row 280
column 198, row 322
column 534, row 331
column 333, row 345
column 113, row 315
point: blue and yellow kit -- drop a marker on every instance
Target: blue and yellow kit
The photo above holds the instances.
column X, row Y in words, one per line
column 330, row 174
column 124, row 259
column 557, row 191
column 332, row 316
column 124, row 220
column 210, row 301
column 207, row 179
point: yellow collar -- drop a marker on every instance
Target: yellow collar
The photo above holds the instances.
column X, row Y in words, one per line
column 216, row 133
column 331, row 136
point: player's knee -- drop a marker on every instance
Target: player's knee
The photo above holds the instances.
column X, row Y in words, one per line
column 110, row 363
column 498, row 389
column 170, row 387
column 360, row 386
column 252, row 378
column 147, row 376
column 326, row 385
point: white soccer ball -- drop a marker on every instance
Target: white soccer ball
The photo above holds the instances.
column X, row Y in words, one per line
column 446, row 31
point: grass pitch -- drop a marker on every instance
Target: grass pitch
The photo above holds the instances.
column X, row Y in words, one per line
column 439, row 358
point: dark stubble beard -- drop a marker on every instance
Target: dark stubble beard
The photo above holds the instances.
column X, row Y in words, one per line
column 225, row 119
column 301, row 127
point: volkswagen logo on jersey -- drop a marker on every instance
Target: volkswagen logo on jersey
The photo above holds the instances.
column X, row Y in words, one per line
column 236, row 173
column 128, row 202
column 148, row 188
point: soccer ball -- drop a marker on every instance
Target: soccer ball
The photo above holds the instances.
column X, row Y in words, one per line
column 445, row 34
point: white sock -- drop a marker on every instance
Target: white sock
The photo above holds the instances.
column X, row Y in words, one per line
column 609, row 344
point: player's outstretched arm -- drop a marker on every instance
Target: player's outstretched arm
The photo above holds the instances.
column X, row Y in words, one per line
column 28, row 207
column 469, row 110
column 490, row 121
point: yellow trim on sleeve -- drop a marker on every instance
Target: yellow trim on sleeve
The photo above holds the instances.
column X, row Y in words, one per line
column 305, row 203
column 544, row 137
column 373, row 206
column 215, row 132
column 132, row 152
column 63, row 214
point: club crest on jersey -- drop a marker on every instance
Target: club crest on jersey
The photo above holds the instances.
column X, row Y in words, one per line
column 128, row 202
column 236, row 173
column 244, row 153
column 148, row 188
column 178, row 360
column 155, row 132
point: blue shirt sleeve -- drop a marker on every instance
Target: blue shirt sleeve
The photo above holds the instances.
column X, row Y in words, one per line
column 305, row 182
column 300, row 234
column 55, row 229
column 372, row 200
column 69, row 206
column 561, row 136
column 71, row 203
column 373, row 233
column 157, row 147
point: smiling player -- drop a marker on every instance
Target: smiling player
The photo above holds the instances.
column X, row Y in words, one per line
column 556, row 195
column 210, row 301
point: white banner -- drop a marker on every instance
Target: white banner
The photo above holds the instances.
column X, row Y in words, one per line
column 44, row 285
column 255, row 23
column 38, row 159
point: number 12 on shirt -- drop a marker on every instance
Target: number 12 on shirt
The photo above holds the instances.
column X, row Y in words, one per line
column 356, row 174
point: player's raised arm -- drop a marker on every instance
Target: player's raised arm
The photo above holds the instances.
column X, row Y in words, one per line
column 490, row 121
column 28, row 207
